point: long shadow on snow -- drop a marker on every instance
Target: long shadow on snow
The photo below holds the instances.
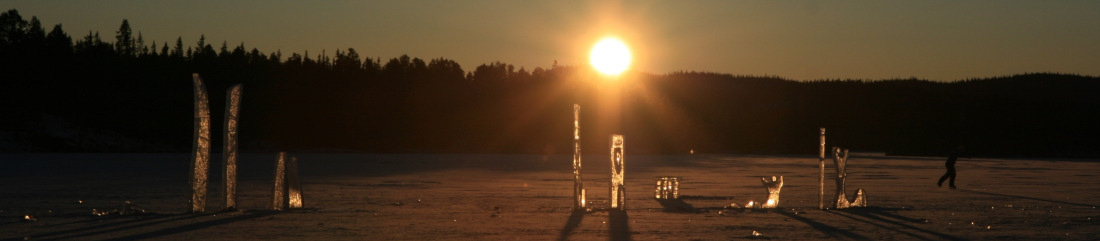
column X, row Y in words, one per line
column 574, row 221
column 619, row 225
column 1028, row 198
column 197, row 226
column 833, row 232
column 880, row 217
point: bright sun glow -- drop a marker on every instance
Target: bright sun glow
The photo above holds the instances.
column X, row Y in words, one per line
column 610, row 56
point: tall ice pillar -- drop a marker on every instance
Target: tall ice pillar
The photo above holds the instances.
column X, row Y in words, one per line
column 578, row 182
column 200, row 155
column 821, row 166
column 618, row 193
column 229, row 147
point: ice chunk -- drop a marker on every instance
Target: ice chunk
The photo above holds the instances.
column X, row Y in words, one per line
column 229, row 147
column 773, row 187
column 278, row 200
column 578, row 182
column 618, row 193
column 287, row 192
column 294, row 185
column 667, row 188
column 200, row 156
column 840, row 159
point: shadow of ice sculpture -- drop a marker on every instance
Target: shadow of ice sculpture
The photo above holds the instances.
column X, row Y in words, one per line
column 578, row 182
column 840, row 159
column 667, row 188
column 200, row 155
column 287, row 192
column 617, row 190
column 774, row 186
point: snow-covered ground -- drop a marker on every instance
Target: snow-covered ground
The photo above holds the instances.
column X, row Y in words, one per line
column 523, row 197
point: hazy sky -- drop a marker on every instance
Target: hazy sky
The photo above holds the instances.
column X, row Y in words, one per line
column 802, row 40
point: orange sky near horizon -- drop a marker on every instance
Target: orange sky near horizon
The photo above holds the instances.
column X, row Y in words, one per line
column 800, row 40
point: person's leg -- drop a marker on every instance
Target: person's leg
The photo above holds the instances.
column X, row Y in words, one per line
column 952, row 182
column 943, row 178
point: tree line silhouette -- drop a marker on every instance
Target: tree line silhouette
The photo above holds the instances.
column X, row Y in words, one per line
column 90, row 95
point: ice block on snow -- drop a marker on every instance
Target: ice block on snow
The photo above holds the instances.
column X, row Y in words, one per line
column 667, row 188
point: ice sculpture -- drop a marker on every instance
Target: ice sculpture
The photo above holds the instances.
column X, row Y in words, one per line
column 578, row 182
column 821, row 165
column 229, row 147
column 618, row 193
column 200, row 155
column 840, row 158
column 294, row 185
column 278, row 200
column 667, row 188
column 774, row 186
column 287, row 192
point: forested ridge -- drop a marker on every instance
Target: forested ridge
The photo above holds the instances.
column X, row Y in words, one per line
column 86, row 94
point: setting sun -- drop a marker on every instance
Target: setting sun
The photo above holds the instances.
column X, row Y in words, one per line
column 610, row 56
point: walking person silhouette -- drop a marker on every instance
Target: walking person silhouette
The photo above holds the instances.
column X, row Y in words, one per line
column 950, row 168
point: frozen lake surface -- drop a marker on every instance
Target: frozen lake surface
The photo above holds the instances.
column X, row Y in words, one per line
column 528, row 197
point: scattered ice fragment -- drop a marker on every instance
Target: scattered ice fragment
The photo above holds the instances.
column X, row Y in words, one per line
column 756, row 234
column 29, row 218
column 988, row 227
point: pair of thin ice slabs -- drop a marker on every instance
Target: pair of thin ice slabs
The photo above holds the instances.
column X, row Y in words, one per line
column 617, row 192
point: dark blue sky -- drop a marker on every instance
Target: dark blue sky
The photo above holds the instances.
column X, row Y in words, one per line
column 807, row 39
